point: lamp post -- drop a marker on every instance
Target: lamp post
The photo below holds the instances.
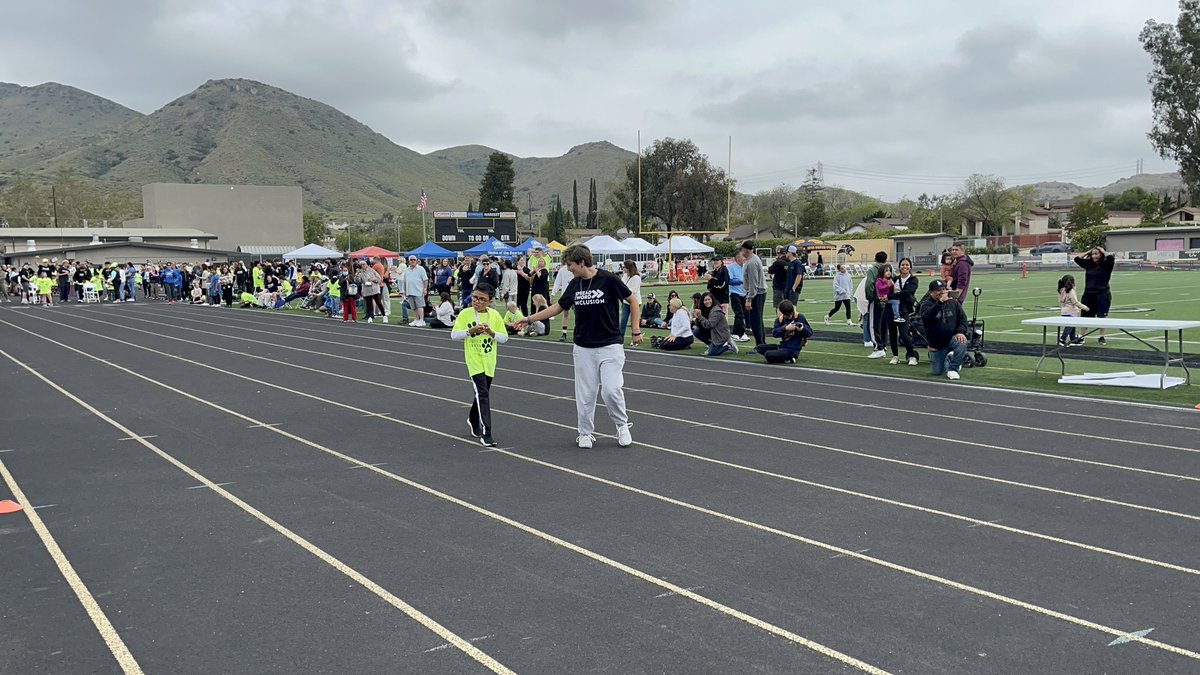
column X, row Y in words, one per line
column 795, row 224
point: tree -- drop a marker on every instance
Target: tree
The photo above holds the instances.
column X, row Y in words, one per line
column 1088, row 237
column 812, row 217
column 1151, row 210
column 771, row 207
column 985, row 200
column 593, row 207
column 1175, row 89
column 1087, row 213
column 25, row 203
column 1129, row 200
column 496, row 188
column 556, row 223
column 315, row 229
column 680, row 188
column 575, row 202
column 935, row 213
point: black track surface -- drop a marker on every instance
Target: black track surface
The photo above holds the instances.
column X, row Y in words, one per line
column 752, row 486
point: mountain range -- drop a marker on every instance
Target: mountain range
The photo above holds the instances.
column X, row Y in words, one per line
column 239, row 131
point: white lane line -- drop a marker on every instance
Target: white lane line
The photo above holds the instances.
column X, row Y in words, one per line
column 1124, row 639
column 808, row 396
column 669, row 593
column 771, row 474
column 265, row 424
column 382, row 414
column 990, row 522
column 201, row 487
column 481, row 638
column 136, row 438
column 549, row 348
column 99, row 619
column 412, row 612
column 545, row 536
column 351, row 468
column 933, row 578
column 8, row 450
column 842, row 555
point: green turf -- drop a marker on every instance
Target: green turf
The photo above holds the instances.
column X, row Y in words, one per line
column 1007, row 299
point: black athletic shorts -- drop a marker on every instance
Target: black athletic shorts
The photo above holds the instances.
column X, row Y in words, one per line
column 1097, row 303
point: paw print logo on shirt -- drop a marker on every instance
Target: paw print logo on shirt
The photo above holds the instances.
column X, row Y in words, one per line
column 486, row 346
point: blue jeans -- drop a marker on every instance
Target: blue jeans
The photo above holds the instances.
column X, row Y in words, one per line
column 948, row 358
column 716, row 350
column 625, row 319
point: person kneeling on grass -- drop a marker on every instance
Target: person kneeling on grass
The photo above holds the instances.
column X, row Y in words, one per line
column 711, row 316
column 444, row 314
column 248, row 300
column 945, row 329
column 681, row 328
column 481, row 329
column 792, row 329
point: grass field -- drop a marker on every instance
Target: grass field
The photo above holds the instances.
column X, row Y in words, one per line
column 1007, row 299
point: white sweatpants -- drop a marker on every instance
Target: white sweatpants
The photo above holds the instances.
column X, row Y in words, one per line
column 599, row 370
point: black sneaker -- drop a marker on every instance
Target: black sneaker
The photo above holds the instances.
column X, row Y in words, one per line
column 1101, row 341
column 563, row 338
column 487, row 441
column 476, row 430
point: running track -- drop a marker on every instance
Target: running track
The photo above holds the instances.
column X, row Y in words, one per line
column 250, row 492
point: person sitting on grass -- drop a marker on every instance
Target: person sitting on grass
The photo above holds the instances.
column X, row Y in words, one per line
column 537, row 327
column 512, row 316
column 248, row 300
column 793, row 331
column 681, row 328
column 652, row 313
column 711, row 317
column 444, row 314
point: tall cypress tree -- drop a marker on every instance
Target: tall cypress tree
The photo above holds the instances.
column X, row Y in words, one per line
column 557, row 231
column 593, row 205
column 575, row 202
column 496, row 188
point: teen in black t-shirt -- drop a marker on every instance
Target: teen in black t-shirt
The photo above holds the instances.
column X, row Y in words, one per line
column 595, row 296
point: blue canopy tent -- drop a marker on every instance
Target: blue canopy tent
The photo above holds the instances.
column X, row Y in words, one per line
column 492, row 246
column 528, row 245
column 430, row 250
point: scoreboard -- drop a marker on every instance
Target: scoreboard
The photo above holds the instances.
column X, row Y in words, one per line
column 461, row 230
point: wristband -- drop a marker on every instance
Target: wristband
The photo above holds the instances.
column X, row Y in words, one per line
column 636, row 334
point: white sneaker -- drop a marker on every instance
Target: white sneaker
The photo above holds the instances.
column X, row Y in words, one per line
column 370, row 320
column 421, row 324
column 894, row 361
column 826, row 321
column 877, row 354
column 585, row 442
column 850, row 322
column 412, row 323
column 733, row 346
column 624, row 438
column 912, row 360
column 383, row 318
column 744, row 338
column 952, row 374
column 868, row 344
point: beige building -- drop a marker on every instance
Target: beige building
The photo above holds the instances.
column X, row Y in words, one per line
column 1154, row 239
column 1186, row 215
column 117, row 244
column 238, row 215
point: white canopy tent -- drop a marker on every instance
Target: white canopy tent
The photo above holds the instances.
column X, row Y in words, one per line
column 311, row 252
column 606, row 245
column 683, row 245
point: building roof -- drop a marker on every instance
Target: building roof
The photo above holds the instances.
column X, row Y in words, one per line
column 1195, row 211
column 1174, row 229
column 265, row 250
column 43, row 252
column 924, row 235
column 143, row 232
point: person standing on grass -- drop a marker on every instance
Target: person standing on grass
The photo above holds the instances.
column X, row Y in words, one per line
column 416, row 287
column 755, row 285
column 904, row 293
column 874, row 315
column 481, row 329
column 596, row 296
column 1097, row 266
column 795, row 275
column 960, row 272
column 561, row 280
column 633, row 280
column 778, row 272
column 843, row 291
column 718, row 283
column 1069, row 305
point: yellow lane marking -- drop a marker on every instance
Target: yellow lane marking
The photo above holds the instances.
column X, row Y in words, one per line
column 791, row 441
column 106, row 628
column 111, row 638
column 829, row 547
column 447, row 635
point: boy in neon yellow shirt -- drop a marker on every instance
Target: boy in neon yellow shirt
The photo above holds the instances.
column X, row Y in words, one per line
column 512, row 316
column 45, row 286
column 482, row 330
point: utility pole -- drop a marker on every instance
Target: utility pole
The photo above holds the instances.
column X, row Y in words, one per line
column 638, row 233
column 54, row 210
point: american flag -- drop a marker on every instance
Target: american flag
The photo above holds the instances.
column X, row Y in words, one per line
column 424, row 201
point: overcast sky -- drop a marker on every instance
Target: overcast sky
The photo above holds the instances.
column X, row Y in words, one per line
column 922, row 93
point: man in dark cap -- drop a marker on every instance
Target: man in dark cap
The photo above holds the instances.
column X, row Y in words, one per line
column 945, row 329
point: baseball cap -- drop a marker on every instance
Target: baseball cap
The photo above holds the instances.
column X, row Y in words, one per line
column 748, row 245
column 649, row 295
column 697, row 296
column 791, row 248
column 937, row 285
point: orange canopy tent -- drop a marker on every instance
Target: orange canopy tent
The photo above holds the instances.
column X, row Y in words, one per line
column 373, row 252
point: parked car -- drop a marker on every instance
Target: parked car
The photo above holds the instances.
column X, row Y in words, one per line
column 1050, row 247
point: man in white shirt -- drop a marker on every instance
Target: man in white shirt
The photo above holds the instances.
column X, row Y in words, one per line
column 416, row 287
column 561, row 281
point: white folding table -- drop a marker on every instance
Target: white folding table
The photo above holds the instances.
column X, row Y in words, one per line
column 1126, row 326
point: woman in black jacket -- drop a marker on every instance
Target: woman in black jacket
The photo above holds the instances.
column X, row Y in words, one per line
column 1097, row 265
column 897, row 326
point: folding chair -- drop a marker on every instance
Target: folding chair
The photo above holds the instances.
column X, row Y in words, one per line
column 90, row 294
